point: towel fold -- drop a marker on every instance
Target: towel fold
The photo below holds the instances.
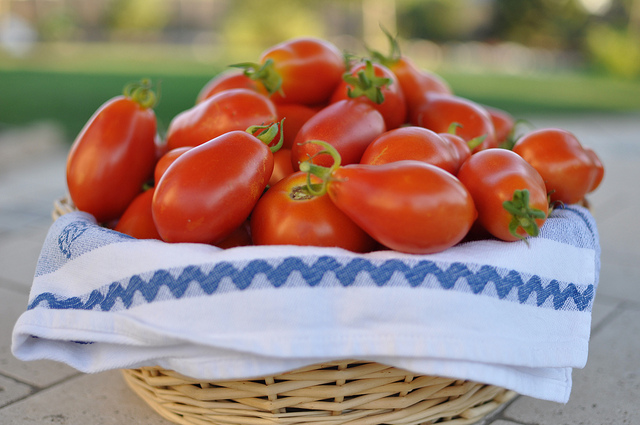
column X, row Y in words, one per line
column 515, row 315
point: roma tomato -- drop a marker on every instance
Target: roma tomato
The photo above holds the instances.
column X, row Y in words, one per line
column 287, row 214
column 233, row 109
column 378, row 86
column 210, row 190
column 239, row 237
column 114, row 154
column 459, row 145
column 598, row 169
column 137, row 220
column 166, row 160
column 503, row 124
column 416, row 143
column 408, row 206
column 567, row 169
column 509, row 194
column 226, row 80
column 294, row 116
column 438, row 112
column 348, row 125
column 301, row 70
column 281, row 165
column 415, row 82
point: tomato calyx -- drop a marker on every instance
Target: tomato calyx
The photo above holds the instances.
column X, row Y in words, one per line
column 302, row 193
column 141, row 93
column 473, row 143
column 512, row 138
column 394, row 51
column 264, row 73
column 523, row 216
column 323, row 173
column 366, row 83
column 268, row 134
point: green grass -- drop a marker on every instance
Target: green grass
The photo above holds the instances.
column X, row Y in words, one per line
column 71, row 97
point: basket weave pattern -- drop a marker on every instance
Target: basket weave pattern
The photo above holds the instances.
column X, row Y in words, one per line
column 342, row 392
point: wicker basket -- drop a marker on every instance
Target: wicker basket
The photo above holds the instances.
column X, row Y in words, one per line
column 341, row 392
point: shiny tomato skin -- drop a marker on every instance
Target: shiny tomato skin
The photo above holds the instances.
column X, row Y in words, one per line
column 137, row 220
column 416, row 82
column 166, row 160
column 460, row 146
column 294, row 115
column 209, row 191
column 310, row 69
column 111, row 158
column 233, row 109
column 408, row 206
column 412, row 142
column 492, row 176
column 598, row 169
column 287, row 215
column 567, row 169
column 281, row 165
column 437, row 112
column 347, row 125
column 393, row 108
column 226, row 80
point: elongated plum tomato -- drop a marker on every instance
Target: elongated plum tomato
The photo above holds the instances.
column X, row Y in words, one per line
column 300, row 70
column 378, row 86
column 233, row 109
column 438, row 112
column 408, row 206
column 509, row 194
column 114, row 154
column 503, row 123
column 210, row 190
column 414, row 81
column 460, row 146
column 348, row 125
column 281, row 165
column 287, row 214
column 567, row 169
column 166, row 160
column 294, row 115
column 137, row 220
column 226, row 80
column 416, row 143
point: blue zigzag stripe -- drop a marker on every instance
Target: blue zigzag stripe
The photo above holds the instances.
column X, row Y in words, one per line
column 312, row 274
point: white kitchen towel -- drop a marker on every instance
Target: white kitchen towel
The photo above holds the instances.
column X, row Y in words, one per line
column 515, row 315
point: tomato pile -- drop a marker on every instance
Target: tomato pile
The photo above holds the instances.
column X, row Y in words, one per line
column 309, row 146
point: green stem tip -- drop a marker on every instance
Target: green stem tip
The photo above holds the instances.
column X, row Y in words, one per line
column 323, row 173
column 141, row 92
column 523, row 216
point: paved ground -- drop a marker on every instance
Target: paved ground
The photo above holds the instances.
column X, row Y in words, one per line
column 607, row 391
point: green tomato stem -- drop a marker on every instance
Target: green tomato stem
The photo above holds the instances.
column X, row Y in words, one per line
column 264, row 73
column 366, row 83
column 269, row 133
column 522, row 214
column 323, row 173
column 141, row 93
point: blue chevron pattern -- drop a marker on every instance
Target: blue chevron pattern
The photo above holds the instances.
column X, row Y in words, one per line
column 277, row 275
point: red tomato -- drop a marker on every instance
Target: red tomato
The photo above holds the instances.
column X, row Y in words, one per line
column 287, row 214
column 379, row 87
column 301, row 70
column 137, row 220
column 415, row 82
column 226, row 80
column 567, row 169
column 598, row 169
column 415, row 143
column 408, row 206
column 509, row 194
column 239, row 237
column 281, row 166
column 503, row 124
column 114, row 154
column 210, row 190
column 459, row 145
column 166, row 160
column 294, row 115
column 348, row 125
column 439, row 111
column 233, row 109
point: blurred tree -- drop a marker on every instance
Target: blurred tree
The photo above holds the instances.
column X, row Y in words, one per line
column 253, row 25
column 137, row 17
column 60, row 24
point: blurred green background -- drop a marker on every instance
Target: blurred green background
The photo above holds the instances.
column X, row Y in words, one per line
column 61, row 59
